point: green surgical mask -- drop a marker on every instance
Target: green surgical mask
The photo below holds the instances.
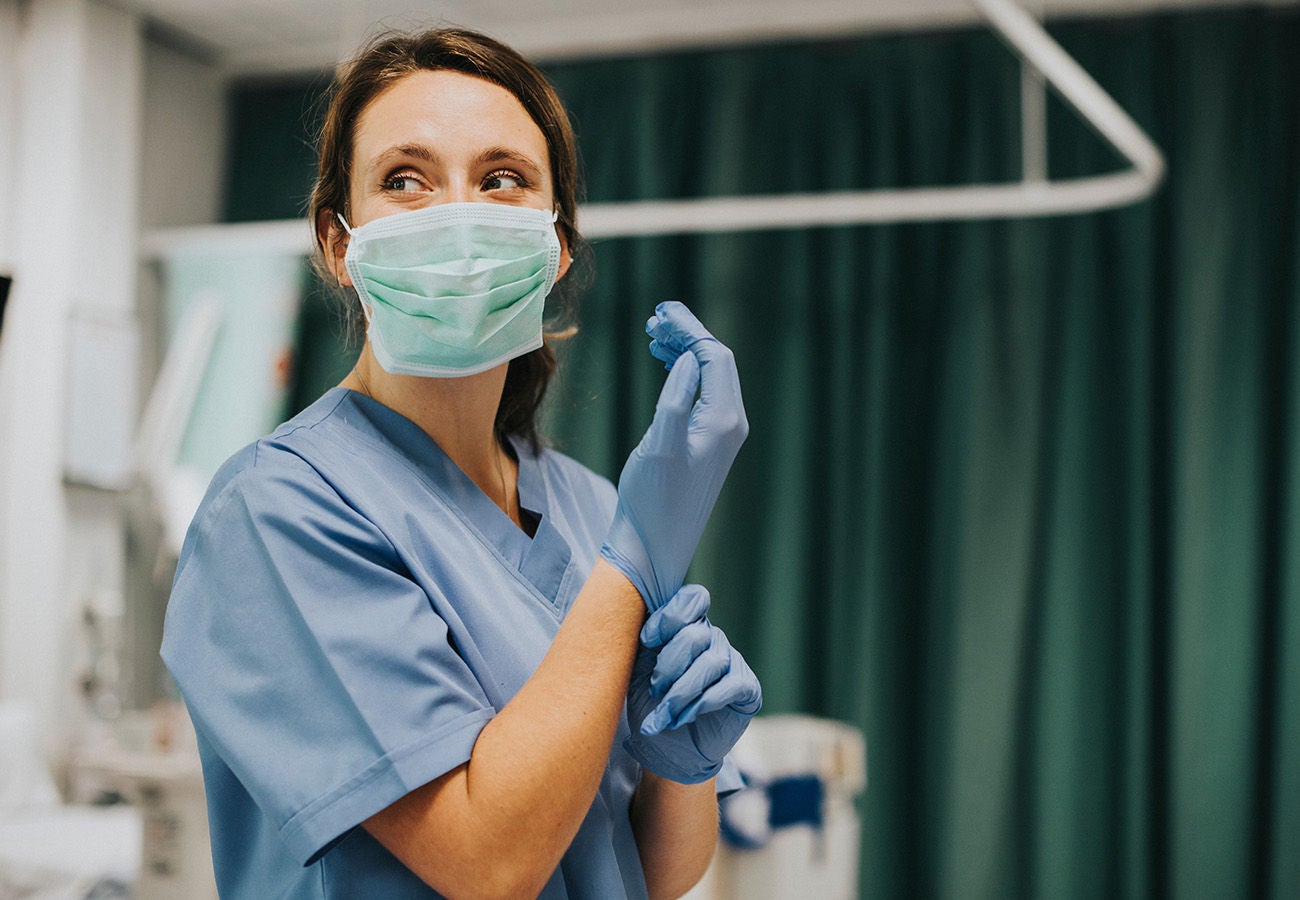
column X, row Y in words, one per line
column 454, row 289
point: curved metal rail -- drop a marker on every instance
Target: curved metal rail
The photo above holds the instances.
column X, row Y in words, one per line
column 1034, row 195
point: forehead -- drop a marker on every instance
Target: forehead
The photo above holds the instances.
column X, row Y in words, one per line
column 451, row 112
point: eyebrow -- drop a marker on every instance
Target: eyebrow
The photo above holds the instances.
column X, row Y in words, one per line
column 506, row 154
column 427, row 154
column 418, row 151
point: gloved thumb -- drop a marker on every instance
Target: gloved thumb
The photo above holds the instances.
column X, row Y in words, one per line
column 688, row 605
column 673, row 409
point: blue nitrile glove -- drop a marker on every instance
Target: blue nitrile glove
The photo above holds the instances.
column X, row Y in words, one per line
column 691, row 695
column 672, row 479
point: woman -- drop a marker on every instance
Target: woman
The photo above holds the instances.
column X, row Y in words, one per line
column 413, row 642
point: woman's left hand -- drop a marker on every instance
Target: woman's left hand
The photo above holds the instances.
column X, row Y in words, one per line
column 691, row 695
column 673, row 477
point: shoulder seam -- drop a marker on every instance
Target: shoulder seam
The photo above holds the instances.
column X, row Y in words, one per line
column 309, row 426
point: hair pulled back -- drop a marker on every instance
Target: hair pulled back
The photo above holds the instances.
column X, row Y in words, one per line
column 381, row 62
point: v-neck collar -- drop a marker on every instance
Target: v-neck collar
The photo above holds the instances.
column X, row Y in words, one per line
column 541, row 559
column 548, row 553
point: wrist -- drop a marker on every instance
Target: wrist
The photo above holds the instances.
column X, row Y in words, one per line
column 624, row 549
column 654, row 788
column 620, row 590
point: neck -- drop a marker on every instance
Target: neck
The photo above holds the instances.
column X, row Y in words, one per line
column 458, row 414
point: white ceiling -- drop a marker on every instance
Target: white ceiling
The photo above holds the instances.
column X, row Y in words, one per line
column 251, row 36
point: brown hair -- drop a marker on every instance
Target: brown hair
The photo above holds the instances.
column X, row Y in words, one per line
column 384, row 60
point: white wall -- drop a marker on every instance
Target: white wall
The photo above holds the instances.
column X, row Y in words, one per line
column 183, row 140
column 74, row 190
column 182, row 163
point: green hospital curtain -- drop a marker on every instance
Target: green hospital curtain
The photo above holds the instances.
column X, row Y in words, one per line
column 1020, row 499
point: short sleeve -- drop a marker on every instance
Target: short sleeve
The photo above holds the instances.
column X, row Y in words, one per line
column 318, row 671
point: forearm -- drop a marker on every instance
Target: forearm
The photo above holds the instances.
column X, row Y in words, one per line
column 512, row 810
column 563, row 720
column 676, row 827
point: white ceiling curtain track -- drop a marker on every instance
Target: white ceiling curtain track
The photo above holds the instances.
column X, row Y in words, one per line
column 1044, row 63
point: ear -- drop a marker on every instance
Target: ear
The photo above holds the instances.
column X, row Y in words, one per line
column 335, row 241
column 566, row 258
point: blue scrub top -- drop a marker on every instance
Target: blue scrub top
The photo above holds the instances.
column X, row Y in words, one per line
column 349, row 611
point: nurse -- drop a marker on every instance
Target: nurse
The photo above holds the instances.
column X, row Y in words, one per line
column 425, row 655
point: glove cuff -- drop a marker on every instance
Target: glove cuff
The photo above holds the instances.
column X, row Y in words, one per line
column 625, row 550
column 687, row 767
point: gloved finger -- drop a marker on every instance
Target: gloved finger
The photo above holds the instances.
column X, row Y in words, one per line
column 675, row 325
column 704, row 671
column 689, row 604
column 721, row 407
column 738, row 691
column 664, row 347
column 679, row 654
column 678, row 330
column 664, row 353
column 673, row 409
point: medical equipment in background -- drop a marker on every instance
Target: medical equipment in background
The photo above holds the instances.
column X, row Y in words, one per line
column 165, row 790
column 166, row 414
column 793, row 832
column 100, row 410
column 101, row 674
column 1044, row 63
column 52, row 850
column 223, row 383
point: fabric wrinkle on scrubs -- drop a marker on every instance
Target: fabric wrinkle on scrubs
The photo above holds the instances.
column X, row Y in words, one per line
column 349, row 611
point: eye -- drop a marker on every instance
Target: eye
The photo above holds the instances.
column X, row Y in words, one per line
column 503, row 180
column 402, row 182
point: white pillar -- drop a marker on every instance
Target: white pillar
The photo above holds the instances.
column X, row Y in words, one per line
column 9, row 44
column 74, row 233
column 9, row 23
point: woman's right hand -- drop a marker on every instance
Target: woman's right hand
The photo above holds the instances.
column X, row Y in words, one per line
column 673, row 477
column 691, row 695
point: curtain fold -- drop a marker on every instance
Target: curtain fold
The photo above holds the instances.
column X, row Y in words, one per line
column 1018, row 497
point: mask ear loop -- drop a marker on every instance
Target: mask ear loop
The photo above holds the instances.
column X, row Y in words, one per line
column 555, row 218
column 365, row 307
